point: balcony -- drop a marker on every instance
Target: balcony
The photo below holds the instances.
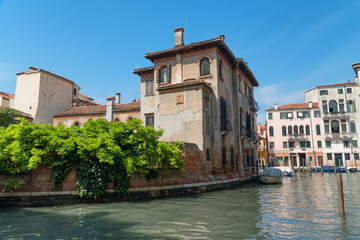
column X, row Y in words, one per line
column 341, row 115
column 253, row 104
column 296, row 137
column 344, row 136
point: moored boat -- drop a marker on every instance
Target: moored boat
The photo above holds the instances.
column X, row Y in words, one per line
column 286, row 171
column 271, row 176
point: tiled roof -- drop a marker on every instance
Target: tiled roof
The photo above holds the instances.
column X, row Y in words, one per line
column 185, row 83
column 7, row 95
column 296, row 106
column 98, row 109
column 88, row 99
column 333, row 85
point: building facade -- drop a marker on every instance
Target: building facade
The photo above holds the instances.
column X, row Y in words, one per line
column 203, row 95
column 6, row 100
column 262, row 144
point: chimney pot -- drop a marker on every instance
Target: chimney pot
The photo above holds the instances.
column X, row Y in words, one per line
column 179, row 37
column 276, row 106
column 118, row 95
column 310, row 104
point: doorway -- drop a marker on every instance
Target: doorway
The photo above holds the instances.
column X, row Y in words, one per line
column 338, row 160
column 302, row 157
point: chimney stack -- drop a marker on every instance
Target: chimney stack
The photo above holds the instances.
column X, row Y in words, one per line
column 109, row 108
column 276, row 106
column 118, row 95
column 179, row 37
column 310, row 104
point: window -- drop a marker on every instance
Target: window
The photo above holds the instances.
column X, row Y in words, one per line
column 270, row 116
column 317, row 114
column 310, row 158
column 333, row 106
column 307, row 128
column 346, row 144
column 282, row 115
column 289, row 115
column 323, row 92
column 296, row 129
column 340, row 91
column 343, row 126
column 283, row 130
column 349, row 90
column 302, row 144
column 271, row 131
column 326, row 125
column 271, row 145
column 290, row 130
column 149, row 87
column 335, row 128
column 301, row 129
column 208, row 158
column 284, row 145
column 117, row 120
column 220, row 71
column 347, row 156
column 279, row 160
column 328, row 144
column 354, row 143
column 164, row 74
column 291, row 144
column 223, row 114
column 300, row 114
column 324, row 105
column 149, row 120
column 356, row 156
column 318, row 132
column 329, row 156
column 319, row 144
column 352, row 127
column 232, row 160
column 351, row 106
column 204, row 66
column 308, row 144
column 74, row 91
column 77, row 124
column 341, row 105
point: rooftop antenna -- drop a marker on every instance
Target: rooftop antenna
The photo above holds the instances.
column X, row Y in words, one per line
column 186, row 30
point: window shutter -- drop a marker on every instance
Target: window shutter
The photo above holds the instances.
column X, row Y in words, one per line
column 158, row 76
column 354, row 106
column 169, row 73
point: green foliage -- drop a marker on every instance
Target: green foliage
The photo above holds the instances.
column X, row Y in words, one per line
column 9, row 116
column 99, row 151
column 11, row 184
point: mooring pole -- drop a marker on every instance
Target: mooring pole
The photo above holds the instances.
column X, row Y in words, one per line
column 341, row 195
column 322, row 168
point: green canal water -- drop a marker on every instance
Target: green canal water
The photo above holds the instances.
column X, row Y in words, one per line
column 302, row 207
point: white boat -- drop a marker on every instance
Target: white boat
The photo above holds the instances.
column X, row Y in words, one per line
column 286, row 171
column 270, row 176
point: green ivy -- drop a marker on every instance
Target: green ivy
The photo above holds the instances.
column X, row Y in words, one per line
column 99, row 152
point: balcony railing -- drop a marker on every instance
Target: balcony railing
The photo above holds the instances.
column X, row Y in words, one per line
column 296, row 137
column 253, row 104
column 345, row 136
column 342, row 115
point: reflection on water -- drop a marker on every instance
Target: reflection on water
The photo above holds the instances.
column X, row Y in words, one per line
column 302, row 207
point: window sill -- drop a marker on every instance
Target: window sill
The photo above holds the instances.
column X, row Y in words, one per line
column 205, row 76
column 149, row 95
column 164, row 83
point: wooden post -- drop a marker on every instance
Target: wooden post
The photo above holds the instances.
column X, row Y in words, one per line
column 257, row 168
column 341, row 195
column 322, row 168
column 310, row 167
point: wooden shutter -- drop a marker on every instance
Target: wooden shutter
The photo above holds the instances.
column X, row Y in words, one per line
column 169, row 73
column 158, row 76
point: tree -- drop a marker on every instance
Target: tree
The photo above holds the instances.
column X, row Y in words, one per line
column 8, row 116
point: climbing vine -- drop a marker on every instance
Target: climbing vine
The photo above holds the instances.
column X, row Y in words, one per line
column 100, row 151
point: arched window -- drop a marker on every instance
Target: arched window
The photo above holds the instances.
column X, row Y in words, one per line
column 351, row 106
column 290, row 130
column 232, row 160
column 301, row 129
column 352, row 127
column 318, row 132
column 307, row 129
column 223, row 157
column 335, row 127
column 283, row 130
column 271, row 131
column 164, row 74
column 333, row 106
column 296, row 129
column 117, row 120
column 204, row 66
column 77, row 124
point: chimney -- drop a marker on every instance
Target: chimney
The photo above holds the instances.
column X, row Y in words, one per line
column 179, row 37
column 310, row 104
column 118, row 95
column 109, row 108
column 276, row 106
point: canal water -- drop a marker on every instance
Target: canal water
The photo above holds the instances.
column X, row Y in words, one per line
column 302, row 207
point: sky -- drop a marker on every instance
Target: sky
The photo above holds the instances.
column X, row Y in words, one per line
column 291, row 46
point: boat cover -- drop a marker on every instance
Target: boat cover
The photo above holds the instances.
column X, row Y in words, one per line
column 274, row 172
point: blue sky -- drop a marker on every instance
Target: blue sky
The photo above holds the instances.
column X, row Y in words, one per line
column 291, row 46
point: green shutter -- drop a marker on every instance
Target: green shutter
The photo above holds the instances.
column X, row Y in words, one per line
column 354, row 106
column 169, row 73
column 158, row 76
